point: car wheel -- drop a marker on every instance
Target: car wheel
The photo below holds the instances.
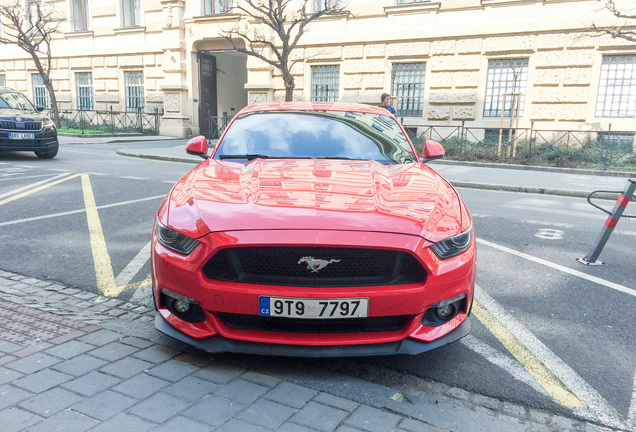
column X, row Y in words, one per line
column 48, row 153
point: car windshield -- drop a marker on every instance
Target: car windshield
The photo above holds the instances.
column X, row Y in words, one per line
column 15, row 101
column 316, row 135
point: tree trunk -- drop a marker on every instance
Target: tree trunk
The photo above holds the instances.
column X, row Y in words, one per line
column 54, row 109
column 289, row 86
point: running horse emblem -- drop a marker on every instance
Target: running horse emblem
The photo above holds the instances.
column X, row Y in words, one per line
column 314, row 264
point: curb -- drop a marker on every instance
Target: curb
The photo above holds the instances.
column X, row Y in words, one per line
column 159, row 157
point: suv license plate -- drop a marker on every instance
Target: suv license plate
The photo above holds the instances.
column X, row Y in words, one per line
column 21, row 135
column 313, row 308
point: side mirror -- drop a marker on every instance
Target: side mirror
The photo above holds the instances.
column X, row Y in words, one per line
column 432, row 150
column 39, row 108
column 198, row 146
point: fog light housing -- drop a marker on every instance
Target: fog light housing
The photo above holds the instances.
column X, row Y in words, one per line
column 183, row 307
column 444, row 311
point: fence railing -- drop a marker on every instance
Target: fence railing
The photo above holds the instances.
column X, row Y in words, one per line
column 110, row 121
column 217, row 125
column 562, row 148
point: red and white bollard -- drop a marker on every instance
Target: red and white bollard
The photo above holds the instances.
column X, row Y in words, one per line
column 610, row 223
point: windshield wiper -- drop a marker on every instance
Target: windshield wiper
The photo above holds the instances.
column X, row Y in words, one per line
column 249, row 157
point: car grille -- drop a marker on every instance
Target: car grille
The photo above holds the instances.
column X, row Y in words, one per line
column 292, row 266
column 292, row 325
column 29, row 125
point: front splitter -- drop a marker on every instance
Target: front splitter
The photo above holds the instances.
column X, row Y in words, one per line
column 217, row 344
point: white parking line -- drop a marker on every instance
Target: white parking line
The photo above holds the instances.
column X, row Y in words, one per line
column 597, row 407
column 497, row 358
column 133, row 267
column 33, row 185
column 631, row 417
column 25, row 177
column 567, row 270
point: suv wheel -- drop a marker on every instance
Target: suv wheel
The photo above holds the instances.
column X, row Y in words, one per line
column 49, row 153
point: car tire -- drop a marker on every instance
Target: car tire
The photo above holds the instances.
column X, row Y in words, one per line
column 49, row 153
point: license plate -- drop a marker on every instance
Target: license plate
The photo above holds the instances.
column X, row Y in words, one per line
column 21, row 135
column 313, row 308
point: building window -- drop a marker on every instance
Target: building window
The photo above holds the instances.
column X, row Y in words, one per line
column 131, row 13
column 84, row 87
column 617, row 140
column 617, row 87
column 408, row 88
column 40, row 96
column 80, row 15
column 326, row 4
column 3, row 80
column 215, row 7
column 134, row 88
column 507, row 80
column 324, row 83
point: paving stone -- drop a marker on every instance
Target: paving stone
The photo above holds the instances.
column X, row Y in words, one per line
column 9, row 347
column 321, row 417
column 67, row 421
column 417, row 426
column 141, row 386
column 213, row 411
column 191, row 388
column 92, row 383
column 293, row 427
column 290, row 394
column 137, row 342
column 104, row 405
column 335, row 401
column 123, row 422
column 80, row 365
column 372, row 419
column 181, row 423
column 239, row 426
column 156, row 354
column 347, row 428
column 10, row 395
column 113, row 351
column 266, row 413
column 219, row 373
column 101, row 337
column 15, row 419
column 8, row 375
column 41, row 381
column 173, row 370
column 69, row 349
column 33, row 363
column 127, row 367
column 195, row 360
column 241, row 391
column 159, row 408
column 51, row 402
column 262, row 379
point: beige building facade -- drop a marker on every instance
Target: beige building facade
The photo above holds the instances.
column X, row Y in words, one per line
column 447, row 61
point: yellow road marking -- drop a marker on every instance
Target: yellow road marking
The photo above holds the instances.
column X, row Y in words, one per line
column 103, row 267
column 530, row 362
column 37, row 189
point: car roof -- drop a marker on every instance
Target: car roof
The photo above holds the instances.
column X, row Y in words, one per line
column 313, row 106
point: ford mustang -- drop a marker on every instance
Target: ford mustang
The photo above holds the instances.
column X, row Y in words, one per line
column 313, row 229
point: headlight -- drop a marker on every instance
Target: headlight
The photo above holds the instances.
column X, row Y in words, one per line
column 174, row 240
column 48, row 123
column 454, row 245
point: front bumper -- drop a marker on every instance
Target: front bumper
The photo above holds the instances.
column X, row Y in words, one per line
column 218, row 344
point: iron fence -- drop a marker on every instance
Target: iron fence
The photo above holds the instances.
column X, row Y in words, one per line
column 217, row 125
column 606, row 150
column 110, row 121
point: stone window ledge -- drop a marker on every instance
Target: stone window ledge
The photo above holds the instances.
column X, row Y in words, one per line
column 125, row 30
column 78, row 34
column 415, row 7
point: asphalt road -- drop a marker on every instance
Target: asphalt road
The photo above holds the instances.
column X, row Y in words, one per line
column 547, row 332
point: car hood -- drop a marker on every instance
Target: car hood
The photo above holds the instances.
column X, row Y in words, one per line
column 314, row 194
column 7, row 113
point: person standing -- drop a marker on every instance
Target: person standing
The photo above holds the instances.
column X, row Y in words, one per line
column 385, row 100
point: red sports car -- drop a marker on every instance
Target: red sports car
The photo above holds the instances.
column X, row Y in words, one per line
column 313, row 229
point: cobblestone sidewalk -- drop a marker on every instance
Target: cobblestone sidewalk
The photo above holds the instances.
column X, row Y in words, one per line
column 74, row 361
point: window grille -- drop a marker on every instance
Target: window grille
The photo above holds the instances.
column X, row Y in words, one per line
column 505, row 77
column 408, row 88
column 84, row 87
column 3, row 80
column 80, row 16
column 326, row 4
column 134, row 88
column 617, row 87
column 617, row 140
column 131, row 13
column 216, row 7
column 40, row 96
column 324, row 83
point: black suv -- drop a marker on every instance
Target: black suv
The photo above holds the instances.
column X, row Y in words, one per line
column 23, row 127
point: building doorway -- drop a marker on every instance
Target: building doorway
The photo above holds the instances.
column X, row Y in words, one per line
column 207, row 93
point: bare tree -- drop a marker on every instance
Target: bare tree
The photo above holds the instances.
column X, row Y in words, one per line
column 625, row 27
column 30, row 27
column 285, row 23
